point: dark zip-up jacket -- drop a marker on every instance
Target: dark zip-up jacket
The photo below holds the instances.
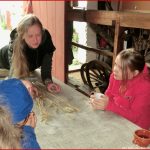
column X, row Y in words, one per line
column 39, row 57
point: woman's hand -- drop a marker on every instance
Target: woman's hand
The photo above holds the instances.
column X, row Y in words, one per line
column 53, row 87
column 32, row 120
column 100, row 103
column 31, row 88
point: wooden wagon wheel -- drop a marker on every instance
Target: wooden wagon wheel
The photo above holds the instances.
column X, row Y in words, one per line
column 97, row 74
column 83, row 73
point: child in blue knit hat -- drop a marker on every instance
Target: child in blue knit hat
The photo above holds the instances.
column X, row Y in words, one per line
column 17, row 97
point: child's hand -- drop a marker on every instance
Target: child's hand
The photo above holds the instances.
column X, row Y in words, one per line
column 32, row 120
column 100, row 103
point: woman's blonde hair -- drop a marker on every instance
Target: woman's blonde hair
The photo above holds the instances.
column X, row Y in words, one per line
column 19, row 61
column 9, row 134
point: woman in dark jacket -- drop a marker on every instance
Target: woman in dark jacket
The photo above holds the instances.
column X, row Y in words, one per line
column 30, row 47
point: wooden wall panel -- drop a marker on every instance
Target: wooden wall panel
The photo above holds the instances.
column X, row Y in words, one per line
column 51, row 17
column 44, row 12
column 60, row 23
column 36, row 8
column 51, row 14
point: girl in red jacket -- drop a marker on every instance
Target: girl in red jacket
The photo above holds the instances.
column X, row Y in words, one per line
column 128, row 93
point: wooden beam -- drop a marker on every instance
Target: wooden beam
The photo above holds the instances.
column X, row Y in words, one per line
column 103, row 52
column 100, row 17
column 135, row 20
column 127, row 19
column 92, row 16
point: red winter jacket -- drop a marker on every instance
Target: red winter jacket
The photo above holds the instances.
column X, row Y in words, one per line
column 134, row 104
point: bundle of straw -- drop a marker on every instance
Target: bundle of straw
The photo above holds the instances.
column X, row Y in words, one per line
column 50, row 104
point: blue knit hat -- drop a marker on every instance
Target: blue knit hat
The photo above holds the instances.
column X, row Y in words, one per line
column 17, row 97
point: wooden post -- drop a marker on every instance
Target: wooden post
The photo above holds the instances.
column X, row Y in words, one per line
column 116, row 23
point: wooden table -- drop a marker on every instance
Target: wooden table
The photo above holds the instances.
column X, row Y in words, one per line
column 85, row 128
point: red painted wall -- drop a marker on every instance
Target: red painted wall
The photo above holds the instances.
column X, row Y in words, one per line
column 52, row 16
